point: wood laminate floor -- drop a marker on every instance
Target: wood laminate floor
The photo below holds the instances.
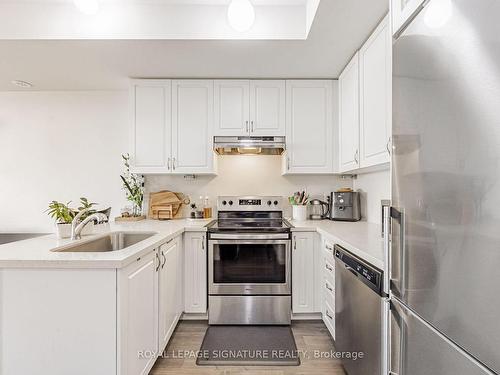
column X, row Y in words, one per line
column 312, row 338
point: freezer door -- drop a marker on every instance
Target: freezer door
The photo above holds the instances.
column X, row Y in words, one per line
column 446, row 172
column 418, row 349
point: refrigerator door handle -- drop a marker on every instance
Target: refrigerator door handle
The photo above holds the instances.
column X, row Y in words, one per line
column 397, row 253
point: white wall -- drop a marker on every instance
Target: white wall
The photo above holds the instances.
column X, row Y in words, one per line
column 373, row 187
column 59, row 146
column 246, row 175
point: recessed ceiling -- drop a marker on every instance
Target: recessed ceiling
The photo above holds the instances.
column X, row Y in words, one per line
column 339, row 29
column 157, row 19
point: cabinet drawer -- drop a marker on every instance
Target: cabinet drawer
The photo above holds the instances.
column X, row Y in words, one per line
column 329, row 292
column 329, row 271
column 329, row 319
column 328, row 250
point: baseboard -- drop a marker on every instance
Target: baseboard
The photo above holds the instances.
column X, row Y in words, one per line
column 194, row 316
column 307, row 316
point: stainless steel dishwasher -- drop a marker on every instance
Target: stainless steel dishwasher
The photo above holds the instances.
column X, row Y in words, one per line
column 360, row 314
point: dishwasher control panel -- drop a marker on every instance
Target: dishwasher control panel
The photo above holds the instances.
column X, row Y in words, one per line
column 371, row 276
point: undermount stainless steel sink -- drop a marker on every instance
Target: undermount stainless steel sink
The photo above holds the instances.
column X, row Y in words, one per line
column 110, row 242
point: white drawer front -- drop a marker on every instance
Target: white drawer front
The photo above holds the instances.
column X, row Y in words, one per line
column 329, row 319
column 329, row 293
column 329, row 271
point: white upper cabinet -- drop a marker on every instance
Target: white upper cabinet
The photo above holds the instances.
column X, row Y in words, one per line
column 192, row 126
column 402, row 12
column 150, row 125
column 249, row 107
column 232, row 107
column 375, row 76
column 349, row 116
column 267, row 107
column 309, row 126
column 172, row 126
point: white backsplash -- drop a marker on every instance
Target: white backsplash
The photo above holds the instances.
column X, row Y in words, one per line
column 246, row 175
column 373, row 187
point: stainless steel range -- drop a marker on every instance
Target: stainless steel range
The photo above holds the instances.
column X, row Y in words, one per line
column 249, row 262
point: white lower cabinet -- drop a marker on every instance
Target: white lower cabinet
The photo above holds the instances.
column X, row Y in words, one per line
column 195, row 272
column 170, row 290
column 138, row 315
column 328, row 284
column 303, row 275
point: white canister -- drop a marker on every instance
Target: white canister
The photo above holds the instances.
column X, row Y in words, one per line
column 299, row 213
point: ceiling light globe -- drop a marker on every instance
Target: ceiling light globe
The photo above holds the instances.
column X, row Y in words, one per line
column 241, row 15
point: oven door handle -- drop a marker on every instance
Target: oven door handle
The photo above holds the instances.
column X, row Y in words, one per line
column 249, row 236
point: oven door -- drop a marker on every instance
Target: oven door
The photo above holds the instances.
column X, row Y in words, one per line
column 249, row 265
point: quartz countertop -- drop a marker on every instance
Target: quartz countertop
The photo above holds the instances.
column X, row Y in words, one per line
column 360, row 238
column 37, row 252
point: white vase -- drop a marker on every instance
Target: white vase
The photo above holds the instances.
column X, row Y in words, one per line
column 64, row 230
column 299, row 213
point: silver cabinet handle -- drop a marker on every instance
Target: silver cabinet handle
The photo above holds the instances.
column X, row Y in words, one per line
column 168, row 164
column 328, row 268
column 328, row 315
column 252, row 129
column 158, row 259
column 203, row 243
column 356, row 157
column 327, row 287
column 294, row 242
column 328, row 247
column 387, row 146
column 246, row 125
column 288, row 163
column 164, row 259
column 173, row 164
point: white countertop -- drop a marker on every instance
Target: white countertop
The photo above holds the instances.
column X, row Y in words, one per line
column 360, row 238
column 36, row 252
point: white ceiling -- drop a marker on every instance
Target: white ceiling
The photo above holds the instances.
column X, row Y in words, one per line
column 339, row 29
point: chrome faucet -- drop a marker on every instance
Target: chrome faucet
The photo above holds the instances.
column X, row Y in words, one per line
column 77, row 226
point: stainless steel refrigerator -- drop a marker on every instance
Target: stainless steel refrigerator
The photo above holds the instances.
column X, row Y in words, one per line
column 445, row 230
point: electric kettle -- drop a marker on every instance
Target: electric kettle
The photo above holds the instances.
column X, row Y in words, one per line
column 319, row 209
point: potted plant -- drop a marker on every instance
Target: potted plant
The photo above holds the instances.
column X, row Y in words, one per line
column 133, row 184
column 63, row 215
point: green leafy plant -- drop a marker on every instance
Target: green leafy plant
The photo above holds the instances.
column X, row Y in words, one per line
column 133, row 184
column 62, row 213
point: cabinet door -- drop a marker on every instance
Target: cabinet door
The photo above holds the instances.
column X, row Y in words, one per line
column 169, row 291
column 309, row 126
column 232, row 107
column 138, row 315
column 375, row 97
column 303, row 275
column 192, row 126
column 195, row 273
column 349, row 116
column 150, row 135
column 267, row 107
column 403, row 11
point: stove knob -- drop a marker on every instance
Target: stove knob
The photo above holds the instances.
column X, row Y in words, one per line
column 230, row 203
column 269, row 203
column 275, row 203
column 224, row 203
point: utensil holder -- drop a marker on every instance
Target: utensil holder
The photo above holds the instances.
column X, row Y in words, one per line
column 299, row 213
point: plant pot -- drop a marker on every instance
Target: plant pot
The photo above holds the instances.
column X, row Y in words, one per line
column 299, row 213
column 64, row 230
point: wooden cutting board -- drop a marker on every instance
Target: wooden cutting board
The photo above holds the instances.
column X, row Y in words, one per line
column 163, row 205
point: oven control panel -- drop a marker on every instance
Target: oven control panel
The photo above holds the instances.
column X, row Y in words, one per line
column 249, row 203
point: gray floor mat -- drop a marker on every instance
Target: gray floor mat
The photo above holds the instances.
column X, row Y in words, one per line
column 249, row 345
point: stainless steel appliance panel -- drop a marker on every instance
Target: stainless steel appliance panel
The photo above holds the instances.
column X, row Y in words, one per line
column 446, row 185
column 421, row 350
column 249, row 309
column 358, row 321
